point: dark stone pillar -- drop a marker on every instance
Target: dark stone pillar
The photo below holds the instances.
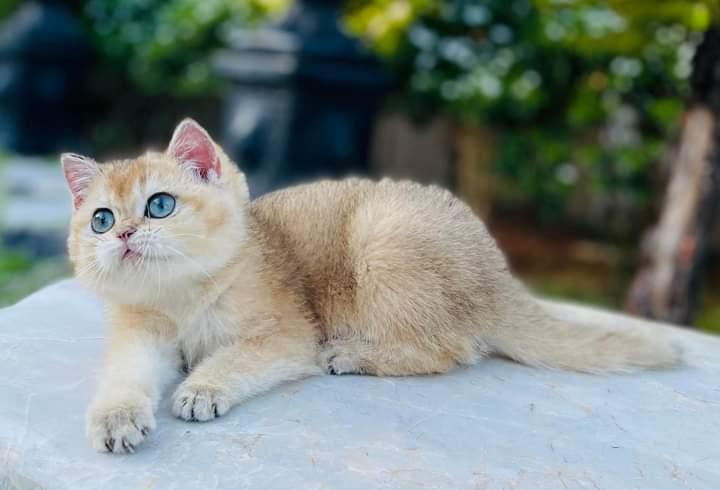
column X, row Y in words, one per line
column 44, row 59
column 303, row 98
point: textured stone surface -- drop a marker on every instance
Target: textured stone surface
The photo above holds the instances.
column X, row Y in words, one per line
column 495, row 425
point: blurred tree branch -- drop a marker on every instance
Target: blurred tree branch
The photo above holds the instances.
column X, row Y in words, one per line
column 667, row 286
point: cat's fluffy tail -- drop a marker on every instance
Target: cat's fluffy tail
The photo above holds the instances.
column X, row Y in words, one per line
column 575, row 343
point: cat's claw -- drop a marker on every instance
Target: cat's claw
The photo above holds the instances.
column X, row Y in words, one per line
column 199, row 403
column 120, row 427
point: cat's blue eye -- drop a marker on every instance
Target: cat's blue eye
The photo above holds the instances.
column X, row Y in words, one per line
column 102, row 220
column 160, row 205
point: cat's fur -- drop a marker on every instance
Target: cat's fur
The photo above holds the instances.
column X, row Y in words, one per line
column 384, row 278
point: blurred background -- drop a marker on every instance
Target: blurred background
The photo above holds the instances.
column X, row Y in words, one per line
column 583, row 132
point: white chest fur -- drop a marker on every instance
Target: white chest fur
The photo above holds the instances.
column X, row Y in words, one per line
column 204, row 333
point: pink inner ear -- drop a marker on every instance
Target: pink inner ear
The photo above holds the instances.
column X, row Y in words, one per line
column 79, row 173
column 191, row 146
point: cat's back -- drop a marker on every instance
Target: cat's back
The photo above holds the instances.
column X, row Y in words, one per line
column 310, row 212
column 340, row 240
column 328, row 225
column 326, row 212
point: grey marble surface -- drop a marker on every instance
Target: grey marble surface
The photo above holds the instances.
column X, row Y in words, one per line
column 495, row 425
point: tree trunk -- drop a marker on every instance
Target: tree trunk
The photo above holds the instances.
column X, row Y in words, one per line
column 474, row 180
column 667, row 285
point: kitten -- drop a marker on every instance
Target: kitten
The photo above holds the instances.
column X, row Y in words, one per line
column 383, row 278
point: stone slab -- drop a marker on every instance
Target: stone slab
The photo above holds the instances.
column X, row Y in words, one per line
column 494, row 425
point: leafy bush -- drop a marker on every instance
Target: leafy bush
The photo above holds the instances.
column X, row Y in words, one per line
column 584, row 95
column 165, row 45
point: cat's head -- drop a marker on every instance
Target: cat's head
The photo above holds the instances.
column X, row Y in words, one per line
column 156, row 222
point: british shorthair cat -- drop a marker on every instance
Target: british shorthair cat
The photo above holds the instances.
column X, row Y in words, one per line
column 380, row 278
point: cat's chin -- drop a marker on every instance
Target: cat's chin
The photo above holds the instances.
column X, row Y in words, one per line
column 142, row 280
column 136, row 289
column 135, row 280
column 131, row 258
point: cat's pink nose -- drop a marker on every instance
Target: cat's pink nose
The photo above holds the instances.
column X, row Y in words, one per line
column 125, row 235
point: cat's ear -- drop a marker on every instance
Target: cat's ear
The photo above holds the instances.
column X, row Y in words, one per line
column 192, row 147
column 79, row 172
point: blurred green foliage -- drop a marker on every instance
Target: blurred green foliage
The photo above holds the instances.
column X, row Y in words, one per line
column 7, row 7
column 12, row 265
column 584, row 95
column 165, row 45
column 21, row 275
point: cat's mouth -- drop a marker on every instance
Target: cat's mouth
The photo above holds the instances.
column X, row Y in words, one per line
column 132, row 255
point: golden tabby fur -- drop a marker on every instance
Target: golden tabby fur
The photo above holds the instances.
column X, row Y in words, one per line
column 382, row 278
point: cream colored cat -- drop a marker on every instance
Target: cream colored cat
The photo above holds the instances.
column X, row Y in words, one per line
column 384, row 278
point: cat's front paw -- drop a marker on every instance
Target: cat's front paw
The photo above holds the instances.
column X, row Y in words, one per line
column 199, row 403
column 119, row 426
column 335, row 359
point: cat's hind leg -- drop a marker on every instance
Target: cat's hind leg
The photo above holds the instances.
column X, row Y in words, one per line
column 357, row 356
column 417, row 289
